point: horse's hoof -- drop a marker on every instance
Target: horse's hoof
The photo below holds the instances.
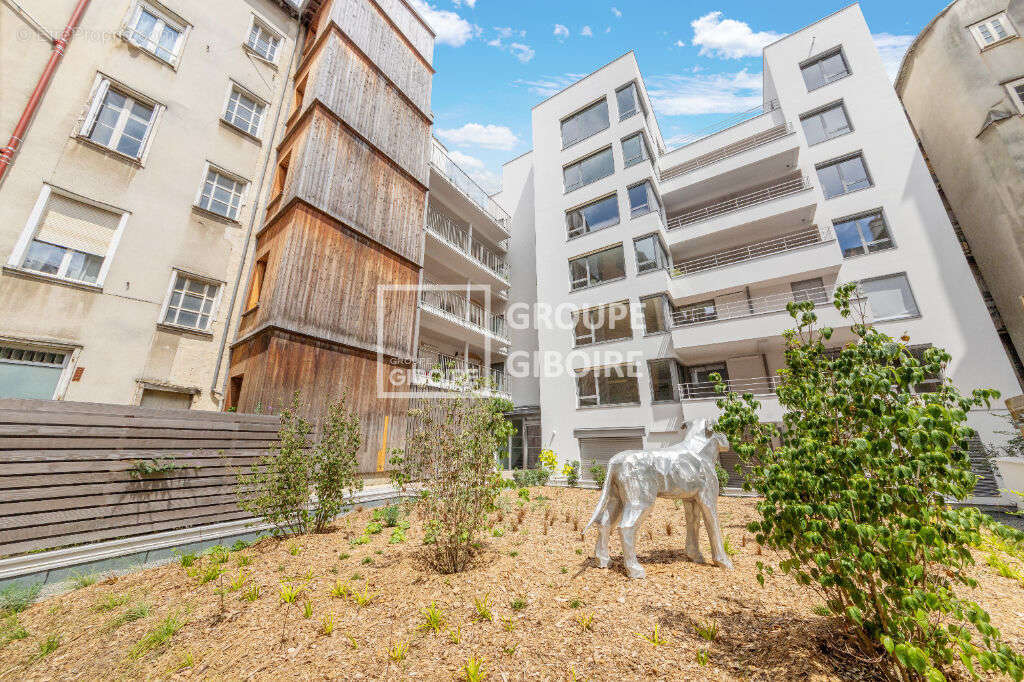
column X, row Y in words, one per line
column 636, row 573
column 724, row 563
column 696, row 558
column 602, row 563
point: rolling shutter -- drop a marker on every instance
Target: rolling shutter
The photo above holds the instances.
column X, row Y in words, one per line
column 77, row 225
column 602, row 449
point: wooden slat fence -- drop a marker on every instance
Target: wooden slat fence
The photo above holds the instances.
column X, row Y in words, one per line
column 66, row 470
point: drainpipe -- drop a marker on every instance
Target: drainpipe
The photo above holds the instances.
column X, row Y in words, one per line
column 219, row 388
column 59, row 45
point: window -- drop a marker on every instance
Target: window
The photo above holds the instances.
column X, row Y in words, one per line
column 31, row 372
column 1016, row 90
column 628, row 101
column 825, row 124
column 263, row 40
column 932, row 381
column 607, row 386
column 655, row 309
column 119, row 121
column 693, row 313
column 634, row 150
column 588, row 170
column 221, row 194
column 650, row 254
column 259, row 271
column 68, row 238
column 642, row 200
column 606, row 323
column 825, row 69
column 592, row 217
column 244, row 111
column 809, row 290
column 583, row 124
column 155, row 32
column 665, row 375
column 890, row 297
column 190, row 302
column 597, row 268
column 993, row 30
column 843, row 176
column 165, row 399
column 862, row 234
column 700, row 384
column 281, row 176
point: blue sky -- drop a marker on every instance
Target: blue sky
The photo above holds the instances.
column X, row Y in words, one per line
column 495, row 59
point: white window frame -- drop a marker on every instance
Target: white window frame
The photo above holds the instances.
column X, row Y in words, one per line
column 234, row 86
column 163, row 15
column 629, row 369
column 214, row 307
column 1015, row 96
column 820, row 111
column 70, row 353
column 641, row 108
column 101, row 86
column 644, row 148
column 585, row 257
column 986, row 34
column 28, row 233
column 646, row 208
column 263, row 24
column 910, row 290
column 836, row 162
column 231, row 176
column 818, row 59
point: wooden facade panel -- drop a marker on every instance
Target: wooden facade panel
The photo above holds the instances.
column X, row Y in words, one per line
column 346, row 82
column 411, row 26
column 321, row 372
column 340, row 174
column 365, row 23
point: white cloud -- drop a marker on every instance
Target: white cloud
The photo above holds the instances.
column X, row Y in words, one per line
column 468, row 3
column 728, row 38
column 550, row 85
column 486, row 178
column 561, row 32
column 477, row 135
column 680, row 43
column 892, row 48
column 721, row 93
column 523, row 53
column 465, row 160
column 586, row 31
column 616, row 12
column 451, row 29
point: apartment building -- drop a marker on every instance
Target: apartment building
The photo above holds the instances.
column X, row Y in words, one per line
column 675, row 265
column 973, row 139
column 125, row 213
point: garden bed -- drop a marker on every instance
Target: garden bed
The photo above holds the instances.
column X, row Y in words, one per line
column 538, row 577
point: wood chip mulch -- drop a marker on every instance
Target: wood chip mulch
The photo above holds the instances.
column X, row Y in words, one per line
column 764, row 633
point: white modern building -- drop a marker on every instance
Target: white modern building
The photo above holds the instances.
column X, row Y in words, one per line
column 674, row 265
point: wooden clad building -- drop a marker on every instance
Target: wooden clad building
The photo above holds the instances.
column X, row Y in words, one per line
column 345, row 217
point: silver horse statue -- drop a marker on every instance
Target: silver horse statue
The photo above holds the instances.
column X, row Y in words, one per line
column 636, row 478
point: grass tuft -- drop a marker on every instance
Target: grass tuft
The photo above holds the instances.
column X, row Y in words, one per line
column 483, row 608
column 158, row 636
column 111, row 602
column 433, row 618
column 137, row 612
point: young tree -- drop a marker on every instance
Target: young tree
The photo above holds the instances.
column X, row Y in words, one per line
column 452, row 450
column 335, row 464
column 855, row 487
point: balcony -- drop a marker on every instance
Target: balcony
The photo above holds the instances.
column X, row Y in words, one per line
column 458, row 238
column 736, row 203
column 467, row 187
column 748, row 307
column 441, row 370
column 457, row 308
column 741, row 254
column 752, row 142
column 705, row 390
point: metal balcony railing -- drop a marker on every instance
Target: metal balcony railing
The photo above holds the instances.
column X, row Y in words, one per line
column 466, row 185
column 726, row 151
column 456, row 305
column 459, row 238
column 736, row 203
column 452, row 371
column 705, row 390
column 749, row 307
column 727, row 123
column 740, row 254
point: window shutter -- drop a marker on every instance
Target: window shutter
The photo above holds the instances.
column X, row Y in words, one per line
column 98, row 95
column 77, row 225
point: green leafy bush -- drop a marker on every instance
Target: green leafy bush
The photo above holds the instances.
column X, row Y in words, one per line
column 854, row 489
column 303, row 486
column 572, row 473
column 452, row 446
column 723, row 476
column 389, row 515
column 598, row 472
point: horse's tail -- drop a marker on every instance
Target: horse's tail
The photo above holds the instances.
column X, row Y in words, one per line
column 603, row 502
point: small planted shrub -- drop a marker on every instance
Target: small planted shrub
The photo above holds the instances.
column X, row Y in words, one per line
column 10, row 630
column 210, row 573
column 575, row 603
column 367, row 561
column 359, row 540
column 854, row 492
column 252, row 593
column 289, row 593
column 243, row 560
column 598, row 472
column 723, row 476
column 388, row 515
column 571, row 471
column 294, row 550
column 654, row 638
column 188, row 559
column 518, row 603
column 327, row 624
column 374, row 527
column 483, row 608
column 397, row 536
column 508, row 624
column 433, row 618
column 398, row 652
column 474, row 670
column 239, row 545
column 158, row 636
column 307, row 609
column 48, row 646
column 586, row 621
column 364, row 598
column 340, row 590
column 707, row 631
column 136, row 612
column 111, row 602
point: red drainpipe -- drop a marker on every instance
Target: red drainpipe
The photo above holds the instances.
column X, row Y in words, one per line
column 7, row 153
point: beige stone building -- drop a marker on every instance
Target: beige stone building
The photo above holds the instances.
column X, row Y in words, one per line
column 134, row 193
column 962, row 86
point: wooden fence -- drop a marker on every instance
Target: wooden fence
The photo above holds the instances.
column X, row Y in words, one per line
column 68, row 470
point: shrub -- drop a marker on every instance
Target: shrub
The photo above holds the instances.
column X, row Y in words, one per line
column 304, row 486
column 571, row 470
column 854, row 489
column 16, row 598
column 723, row 476
column 453, row 446
column 389, row 515
column 598, row 472
column 548, row 459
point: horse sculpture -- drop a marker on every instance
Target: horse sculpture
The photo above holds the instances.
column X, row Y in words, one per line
column 636, row 478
